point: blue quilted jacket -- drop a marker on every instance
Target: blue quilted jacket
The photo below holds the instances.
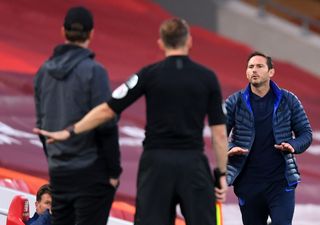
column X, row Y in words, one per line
column 290, row 124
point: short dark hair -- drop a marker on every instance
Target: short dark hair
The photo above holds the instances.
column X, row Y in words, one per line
column 174, row 32
column 268, row 58
column 77, row 36
column 78, row 23
column 44, row 189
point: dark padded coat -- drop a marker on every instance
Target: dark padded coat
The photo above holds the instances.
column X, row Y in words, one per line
column 290, row 124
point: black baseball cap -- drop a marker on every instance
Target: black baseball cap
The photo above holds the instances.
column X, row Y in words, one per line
column 78, row 19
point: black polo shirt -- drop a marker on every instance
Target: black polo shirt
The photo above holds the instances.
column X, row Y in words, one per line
column 265, row 163
column 179, row 95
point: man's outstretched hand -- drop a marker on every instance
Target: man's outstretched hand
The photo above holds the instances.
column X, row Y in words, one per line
column 237, row 151
column 53, row 136
column 285, row 147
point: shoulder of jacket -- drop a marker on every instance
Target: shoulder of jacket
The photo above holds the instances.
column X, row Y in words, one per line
column 288, row 93
column 92, row 67
column 96, row 63
column 234, row 97
column 39, row 74
column 289, row 96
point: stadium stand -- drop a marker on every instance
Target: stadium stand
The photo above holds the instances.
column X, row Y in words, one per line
column 307, row 8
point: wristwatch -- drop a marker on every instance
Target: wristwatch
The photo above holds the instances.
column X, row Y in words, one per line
column 218, row 173
column 70, row 129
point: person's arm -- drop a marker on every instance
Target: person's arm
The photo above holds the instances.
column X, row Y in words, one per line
column 106, row 135
column 123, row 96
column 217, row 121
column 219, row 145
column 37, row 92
column 301, row 128
column 97, row 116
column 231, row 103
column 101, row 92
column 91, row 120
column 37, row 102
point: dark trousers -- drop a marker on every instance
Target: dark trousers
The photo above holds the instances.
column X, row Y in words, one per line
column 258, row 201
column 170, row 177
column 81, row 199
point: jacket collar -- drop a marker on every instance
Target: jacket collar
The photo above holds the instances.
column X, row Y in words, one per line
column 245, row 93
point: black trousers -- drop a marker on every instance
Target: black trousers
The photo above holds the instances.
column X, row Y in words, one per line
column 84, row 198
column 170, row 177
column 258, row 201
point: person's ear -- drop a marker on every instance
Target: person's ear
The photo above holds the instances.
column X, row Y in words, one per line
column 189, row 42
column 271, row 72
column 63, row 31
column 161, row 44
column 91, row 34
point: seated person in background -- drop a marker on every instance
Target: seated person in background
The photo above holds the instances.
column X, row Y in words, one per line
column 42, row 216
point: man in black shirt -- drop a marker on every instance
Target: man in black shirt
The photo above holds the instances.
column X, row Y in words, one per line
column 173, row 168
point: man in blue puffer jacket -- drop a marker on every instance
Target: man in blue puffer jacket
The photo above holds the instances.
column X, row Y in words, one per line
column 268, row 125
column 42, row 216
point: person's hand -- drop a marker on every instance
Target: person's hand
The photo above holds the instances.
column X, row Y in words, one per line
column 221, row 192
column 285, row 147
column 53, row 136
column 49, row 210
column 237, row 151
column 114, row 182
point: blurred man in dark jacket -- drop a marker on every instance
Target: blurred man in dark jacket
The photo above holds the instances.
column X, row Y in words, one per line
column 43, row 203
column 84, row 170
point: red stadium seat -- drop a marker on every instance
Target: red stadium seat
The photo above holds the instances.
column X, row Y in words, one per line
column 18, row 212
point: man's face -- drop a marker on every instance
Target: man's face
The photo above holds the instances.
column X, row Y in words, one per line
column 44, row 203
column 257, row 72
